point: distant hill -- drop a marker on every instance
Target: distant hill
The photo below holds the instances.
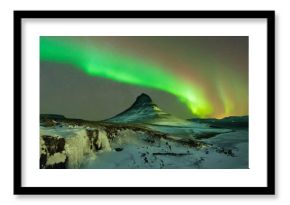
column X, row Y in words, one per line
column 51, row 117
column 227, row 122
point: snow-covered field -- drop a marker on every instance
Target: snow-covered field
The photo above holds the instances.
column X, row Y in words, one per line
column 148, row 146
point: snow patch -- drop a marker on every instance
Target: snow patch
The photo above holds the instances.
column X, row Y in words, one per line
column 56, row 158
column 76, row 148
column 103, row 141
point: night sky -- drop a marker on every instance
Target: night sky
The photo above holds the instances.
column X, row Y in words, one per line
column 96, row 78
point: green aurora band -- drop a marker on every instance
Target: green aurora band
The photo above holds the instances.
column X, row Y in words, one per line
column 125, row 69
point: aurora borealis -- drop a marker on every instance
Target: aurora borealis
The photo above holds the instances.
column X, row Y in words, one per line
column 208, row 75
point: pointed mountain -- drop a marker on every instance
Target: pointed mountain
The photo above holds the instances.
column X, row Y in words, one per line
column 142, row 100
column 144, row 110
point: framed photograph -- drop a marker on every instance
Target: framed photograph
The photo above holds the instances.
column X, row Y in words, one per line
column 144, row 102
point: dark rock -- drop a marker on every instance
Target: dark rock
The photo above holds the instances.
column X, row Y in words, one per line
column 118, row 149
column 93, row 135
column 43, row 160
column 53, row 144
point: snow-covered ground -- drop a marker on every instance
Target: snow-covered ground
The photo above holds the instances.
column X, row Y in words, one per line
column 153, row 146
column 222, row 151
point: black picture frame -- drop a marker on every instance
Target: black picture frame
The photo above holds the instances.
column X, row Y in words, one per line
column 269, row 189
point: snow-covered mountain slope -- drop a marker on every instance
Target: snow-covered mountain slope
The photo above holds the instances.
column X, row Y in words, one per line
column 145, row 111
